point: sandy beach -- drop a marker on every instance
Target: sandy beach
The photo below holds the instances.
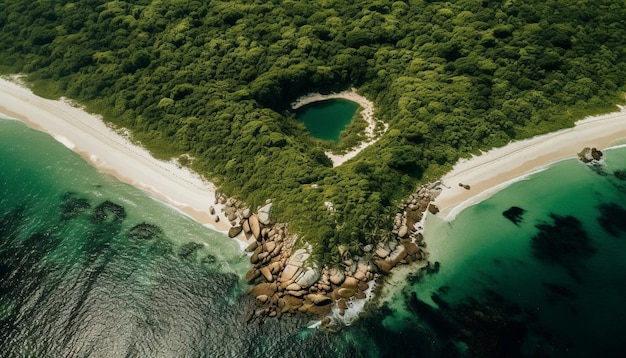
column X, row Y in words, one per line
column 367, row 111
column 496, row 169
column 112, row 153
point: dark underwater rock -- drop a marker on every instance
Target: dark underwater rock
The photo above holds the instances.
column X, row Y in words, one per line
column 145, row 231
column 440, row 301
column 109, row 211
column 234, row 231
column 612, row 218
column 494, row 328
column 560, row 290
column 620, row 174
column 514, row 214
column 188, row 249
column 435, row 318
column 433, row 268
column 42, row 242
column 564, row 243
column 10, row 224
column 209, row 259
column 588, row 155
column 72, row 205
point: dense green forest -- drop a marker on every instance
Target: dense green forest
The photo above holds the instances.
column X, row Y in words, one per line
column 214, row 79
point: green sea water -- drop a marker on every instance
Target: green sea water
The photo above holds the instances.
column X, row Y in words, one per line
column 560, row 294
column 326, row 119
column 91, row 267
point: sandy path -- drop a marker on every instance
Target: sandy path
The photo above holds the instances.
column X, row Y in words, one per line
column 367, row 112
column 110, row 152
column 496, row 169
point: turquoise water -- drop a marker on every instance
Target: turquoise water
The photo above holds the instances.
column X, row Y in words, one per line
column 78, row 279
column 326, row 119
column 561, row 301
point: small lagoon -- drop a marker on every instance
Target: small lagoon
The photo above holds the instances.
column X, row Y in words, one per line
column 326, row 119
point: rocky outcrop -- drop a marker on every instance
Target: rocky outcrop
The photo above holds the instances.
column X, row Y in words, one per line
column 234, row 231
column 287, row 281
column 255, row 226
column 407, row 222
column 264, row 213
column 408, row 244
column 145, row 231
column 589, row 155
column 291, row 281
column 336, row 276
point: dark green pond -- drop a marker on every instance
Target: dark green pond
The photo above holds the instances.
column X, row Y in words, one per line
column 326, row 119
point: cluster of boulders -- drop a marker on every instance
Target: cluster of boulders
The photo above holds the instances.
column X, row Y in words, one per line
column 589, row 155
column 620, row 174
column 407, row 242
column 287, row 280
column 292, row 282
column 408, row 220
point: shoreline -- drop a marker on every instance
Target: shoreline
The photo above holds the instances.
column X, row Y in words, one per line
column 109, row 152
column 498, row 168
column 367, row 112
column 113, row 153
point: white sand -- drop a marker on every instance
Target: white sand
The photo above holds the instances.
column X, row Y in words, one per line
column 367, row 112
column 496, row 169
column 110, row 152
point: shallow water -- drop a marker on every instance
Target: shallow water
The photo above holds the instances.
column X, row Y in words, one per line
column 326, row 119
column 76, row 280
column 567, row 300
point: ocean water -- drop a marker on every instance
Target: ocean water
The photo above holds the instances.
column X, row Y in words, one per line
column 326, row 119
column 91, row 267
column 551, row 284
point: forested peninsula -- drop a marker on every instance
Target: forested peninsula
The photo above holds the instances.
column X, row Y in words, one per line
column 211, row 82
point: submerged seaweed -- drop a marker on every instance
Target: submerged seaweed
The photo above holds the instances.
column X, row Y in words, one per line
column 188, row 249
column 564, row 243
column 109, row 211
column 493, row 328
column 145, row 231
column 620, row 174
column 612, row 218
column 488, row 327
column 556, row 292
column 72, row 205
